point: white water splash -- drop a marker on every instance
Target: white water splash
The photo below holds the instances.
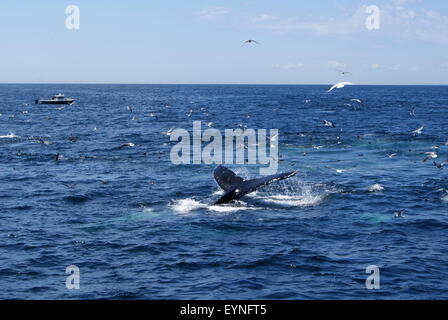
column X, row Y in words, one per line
column 295, row 201
column 295, row 193
column 290, row 193
column 376, row 188
column 9, row 136
column 147, row 209
column 186, row 206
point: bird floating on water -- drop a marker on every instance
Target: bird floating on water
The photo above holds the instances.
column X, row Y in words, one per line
column 440, row 165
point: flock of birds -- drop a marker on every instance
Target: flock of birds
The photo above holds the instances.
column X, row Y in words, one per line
column 430, row 155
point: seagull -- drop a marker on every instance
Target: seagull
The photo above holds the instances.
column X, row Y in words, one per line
column 343, row 72
column 168, row 133
column 430, row 155
column 130, row 109
column 274, row 137
column 440, row 165
column 412, row 112
column 340, row 85
column 249, row 41
column 356, row 100
column 392, row 155
column 418, row 131
column 329, row 124
column 129, row 144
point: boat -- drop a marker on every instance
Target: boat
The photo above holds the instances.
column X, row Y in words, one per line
column 56, row 99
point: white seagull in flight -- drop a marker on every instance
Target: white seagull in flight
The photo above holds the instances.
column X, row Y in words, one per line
column 418, row 131
column 249, row 41
column 341, row 85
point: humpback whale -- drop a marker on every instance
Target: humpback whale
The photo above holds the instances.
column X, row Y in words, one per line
column 236, row 187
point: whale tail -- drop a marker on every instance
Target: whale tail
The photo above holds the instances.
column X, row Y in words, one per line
column 236, row 187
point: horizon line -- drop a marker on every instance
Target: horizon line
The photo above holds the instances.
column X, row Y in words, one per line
column 212, row 84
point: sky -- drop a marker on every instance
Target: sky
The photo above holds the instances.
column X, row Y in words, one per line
column 199, row 42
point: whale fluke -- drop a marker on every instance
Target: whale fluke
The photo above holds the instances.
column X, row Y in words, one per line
column 236, row 187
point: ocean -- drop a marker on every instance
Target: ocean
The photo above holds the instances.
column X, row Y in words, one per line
column 137, row 226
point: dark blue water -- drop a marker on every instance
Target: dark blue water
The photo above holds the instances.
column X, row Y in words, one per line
column 140, row 227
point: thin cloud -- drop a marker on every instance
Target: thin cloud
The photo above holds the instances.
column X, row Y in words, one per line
column 396, row 20
column 336, row 65
column 290, row 66
column 264, row 18
column 212, row 13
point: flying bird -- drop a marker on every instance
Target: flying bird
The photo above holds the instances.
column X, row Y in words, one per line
column 340, row 85
column 329, row 124
column 392, row 155
column 418, row 131
column 343, row 72
column 249, row 41
column 169, row 132
column 430, row 155
column 129, row 144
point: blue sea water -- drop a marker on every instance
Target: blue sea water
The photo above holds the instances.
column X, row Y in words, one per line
column 140, row 227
